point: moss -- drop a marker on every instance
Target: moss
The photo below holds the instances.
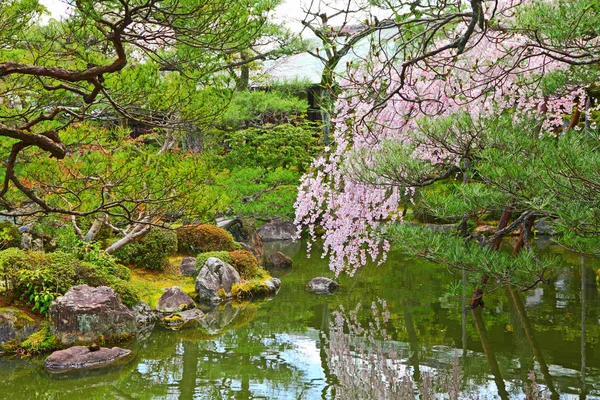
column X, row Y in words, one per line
column 150, row 284
column 245, row 263
column 194, row 239
column 41, row 341
column 222, row 293
column 173, row 319
column 248, row 289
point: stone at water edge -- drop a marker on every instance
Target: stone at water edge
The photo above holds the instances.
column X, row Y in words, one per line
column 15, row 326
column 323, row 285
column 215, row 275
column 183, row 318
column 81, row 357
column 143, row 314
column 277, row 230
column 188, row 266
column 174, row 300
column 86, row 315
column 273, row 284
column 279, row 261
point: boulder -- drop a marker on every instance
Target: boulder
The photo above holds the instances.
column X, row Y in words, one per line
column 79, row 357
column 277, row 230
column 174, row 300
column 188, row 266
column 279, row 261
column 323, row 285
column 183, row 319
column 143, row 314
column 86, row 314
column 215, row 275
column 15, row 326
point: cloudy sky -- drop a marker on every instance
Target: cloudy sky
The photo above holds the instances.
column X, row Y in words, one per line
column 290, row 11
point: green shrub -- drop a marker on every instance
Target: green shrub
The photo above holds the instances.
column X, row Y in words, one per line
column 150, row 251
column 194, row 239
column 10, row 236
column 202, row 257
column 245, row 263
column 38, row 278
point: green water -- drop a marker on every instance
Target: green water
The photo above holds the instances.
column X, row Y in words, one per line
column 277, row 349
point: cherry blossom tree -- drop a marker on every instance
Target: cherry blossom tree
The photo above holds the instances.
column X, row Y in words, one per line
column 486, row 98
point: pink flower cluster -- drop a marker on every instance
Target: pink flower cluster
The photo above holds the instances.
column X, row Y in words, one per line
column 498, row 71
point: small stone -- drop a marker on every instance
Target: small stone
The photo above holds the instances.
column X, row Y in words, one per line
column 81, row 357
column 174, row 300
column 273, row 284
column 188, row 266
column 183, row 319
column 323, row 285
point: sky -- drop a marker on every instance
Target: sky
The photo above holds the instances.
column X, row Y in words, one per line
column 289, row 12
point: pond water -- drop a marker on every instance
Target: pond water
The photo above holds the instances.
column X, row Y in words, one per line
column 288, row 348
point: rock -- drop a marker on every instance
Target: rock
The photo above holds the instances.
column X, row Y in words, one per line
column 215, row 275
column 79, row 357
column 38, row 245
column 26, row 241
column 183, row 319
column 279, row 261
column 15, row 326
column 273, row 284
column 277, row 230
column 174, row 300
column 143, row 314
column 87, row 315
column 188, row 266
column 322, row 285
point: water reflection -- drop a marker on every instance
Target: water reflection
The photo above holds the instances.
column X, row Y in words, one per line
column 303, row 346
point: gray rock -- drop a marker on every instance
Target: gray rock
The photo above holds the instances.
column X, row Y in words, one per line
column 79, row 357
column 277, row 230
column 183, row 319
column 15, row 326
column 188, row 266
column 38, row 245
column 143, row 314
column 278, row 261
column 85, row 314
column 323, row 285
column 174, row 300
column 273, row 284
column 214, row 275
column 26, row 241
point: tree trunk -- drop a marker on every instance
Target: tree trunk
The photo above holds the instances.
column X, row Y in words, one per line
column 139, row 231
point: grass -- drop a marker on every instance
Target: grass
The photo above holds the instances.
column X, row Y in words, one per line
column 150, row 284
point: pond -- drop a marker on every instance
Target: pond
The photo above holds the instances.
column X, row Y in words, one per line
column 293, row 346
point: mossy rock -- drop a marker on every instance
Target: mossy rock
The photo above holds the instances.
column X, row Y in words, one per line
column 42, row 341
column 244, row 262
column 194, row 239
column 15, row 327
column 262, row 286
